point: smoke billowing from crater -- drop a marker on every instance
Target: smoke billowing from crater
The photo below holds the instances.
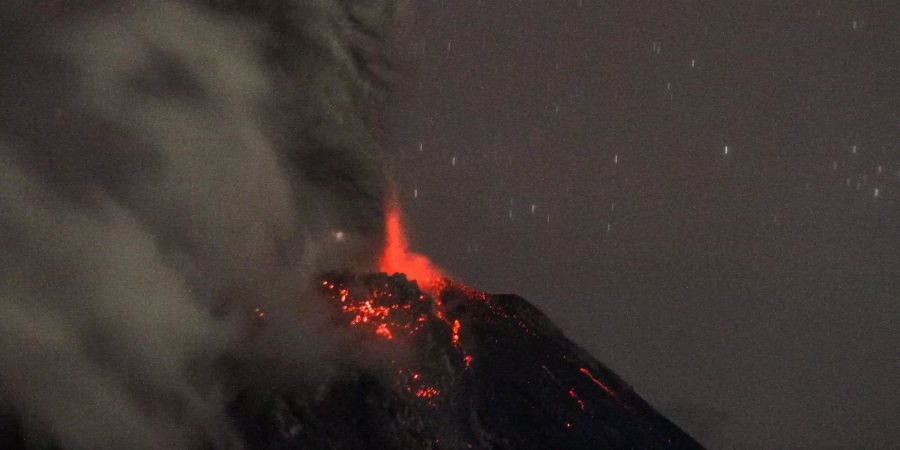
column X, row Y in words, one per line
column 165, row 169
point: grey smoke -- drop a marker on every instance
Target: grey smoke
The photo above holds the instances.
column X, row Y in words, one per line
column 165, row 169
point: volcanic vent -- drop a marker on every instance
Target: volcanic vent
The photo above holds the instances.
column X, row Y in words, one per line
column 479, row 371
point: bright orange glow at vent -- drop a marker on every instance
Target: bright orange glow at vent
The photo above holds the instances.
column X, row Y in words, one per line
column 397, row 258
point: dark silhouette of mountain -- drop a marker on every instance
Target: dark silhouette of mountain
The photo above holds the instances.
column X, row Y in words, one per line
column 482, row 371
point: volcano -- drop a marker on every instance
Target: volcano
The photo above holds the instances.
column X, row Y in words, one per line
column 476, row 371
column 455, row 368
column 482, row 371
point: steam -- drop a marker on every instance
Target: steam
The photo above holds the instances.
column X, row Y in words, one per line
column 165, row 169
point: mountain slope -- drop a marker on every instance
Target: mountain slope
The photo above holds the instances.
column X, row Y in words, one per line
column 482, row 371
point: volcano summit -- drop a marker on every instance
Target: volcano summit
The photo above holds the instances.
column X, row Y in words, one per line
column 475, row 371
column 482, row 371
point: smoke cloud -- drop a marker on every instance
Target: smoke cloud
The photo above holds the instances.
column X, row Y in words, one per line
column 165, row 169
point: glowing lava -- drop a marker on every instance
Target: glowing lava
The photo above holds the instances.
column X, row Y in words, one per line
column 386, row 307
column 599, row 383
column 398, row 315
column 397, row 258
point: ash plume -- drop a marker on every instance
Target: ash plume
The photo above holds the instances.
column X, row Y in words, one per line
column 166, row 169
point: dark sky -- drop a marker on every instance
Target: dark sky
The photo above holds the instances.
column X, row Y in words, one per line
column 704, row 194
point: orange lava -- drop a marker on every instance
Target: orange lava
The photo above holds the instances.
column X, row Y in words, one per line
column 455, row 337
column 378, row 312
column 383, row 331
column 397, row 258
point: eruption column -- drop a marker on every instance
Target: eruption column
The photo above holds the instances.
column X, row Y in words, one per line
column 397, row 258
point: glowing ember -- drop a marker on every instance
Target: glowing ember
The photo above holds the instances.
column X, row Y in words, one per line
column 390, row 311
column 427, row 392
column 396, row 257
column 575, row 397
column 383, row 331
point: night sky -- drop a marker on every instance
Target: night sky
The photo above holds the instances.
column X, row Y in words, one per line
column 703, row 194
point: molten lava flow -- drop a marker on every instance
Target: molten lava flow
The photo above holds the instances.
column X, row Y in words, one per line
column 599, row 383
column 396, row 257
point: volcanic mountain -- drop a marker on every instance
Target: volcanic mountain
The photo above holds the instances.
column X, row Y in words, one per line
column 484, row 371
column 477, row 371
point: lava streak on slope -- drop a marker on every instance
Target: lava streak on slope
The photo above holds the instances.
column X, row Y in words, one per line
column 599, row 383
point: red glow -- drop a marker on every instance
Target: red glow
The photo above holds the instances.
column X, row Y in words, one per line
column 383, row 331
column 375, row 309
column 575, row 397
column 427, row 392
column 397, row 258
column 597, row 381
column 391, row 316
